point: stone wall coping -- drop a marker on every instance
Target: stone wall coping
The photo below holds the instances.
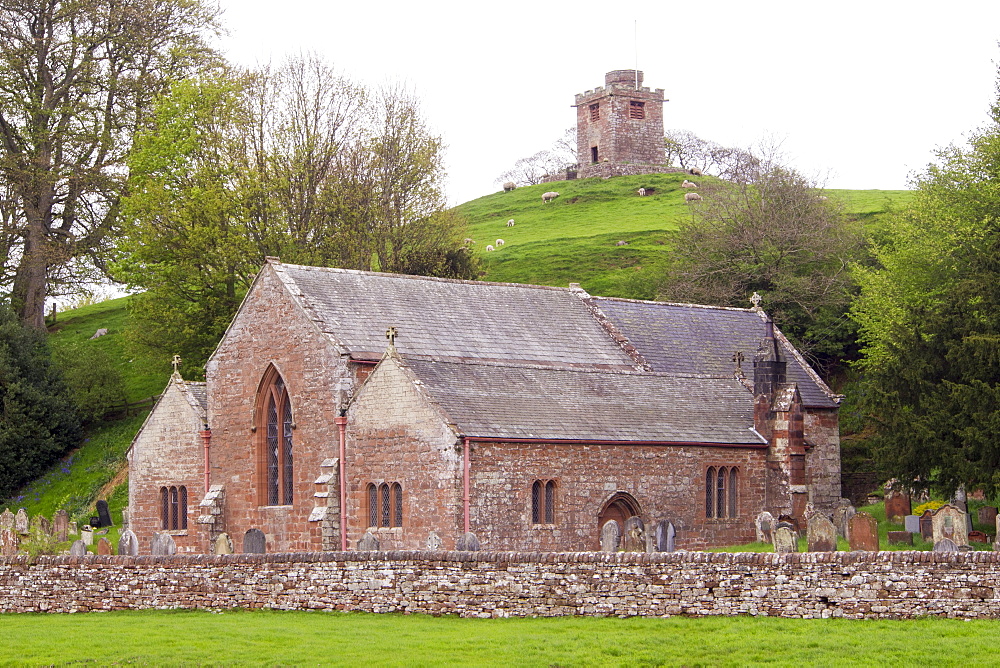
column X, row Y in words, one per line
column 446, row 557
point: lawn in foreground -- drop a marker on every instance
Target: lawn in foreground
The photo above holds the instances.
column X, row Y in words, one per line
column 320, row 638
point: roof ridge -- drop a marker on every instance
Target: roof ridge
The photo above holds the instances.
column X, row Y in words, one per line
column 521, row 364
column 680, row 304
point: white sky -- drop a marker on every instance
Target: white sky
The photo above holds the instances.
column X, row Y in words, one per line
column 858, row 93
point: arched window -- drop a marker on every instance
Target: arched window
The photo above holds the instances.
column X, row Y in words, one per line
column 710, row 492
column 275, row 411
column 543, row 502
column 721, row 492
column 720, row 505
column 173, row 508
column 732, row 492
column 385, row 505
column 164, row 508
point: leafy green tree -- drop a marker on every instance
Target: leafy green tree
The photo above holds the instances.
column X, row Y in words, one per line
column 929, row 317
column 76, row 79
column 38, row 423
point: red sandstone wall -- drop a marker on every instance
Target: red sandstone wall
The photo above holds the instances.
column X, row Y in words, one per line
column 272, row 329
column 619, row 138
column 667, row 481
column 822, row 430
column 168, row 451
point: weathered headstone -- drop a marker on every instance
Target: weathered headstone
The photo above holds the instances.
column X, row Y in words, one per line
column 103, row 515
column 254, row 542
column 842, row 518
column 785, row 540
column 927, row 525
column 368, row 542
column 125, row 518
column 434, row 541
column 7, row 519
column 78, row 548
column 863, row 532
column 611, row 535
column 912, row 523
column 104, row 546
column 9, row 542
column 162, row 545
column 664, row 536
column 900, row 538
column 987, row 515
column 978, row 537
column 634, row 535
column 764, row 526
column 960, row 501
column 223, row 544
column 128, row 544
column 945, row 545
column 44, row 525
column 60, row 523
column 73, row 530
column 21, row 522
column 821, row 534
column 950, row 522
column 467, row 542
column 897, row 505
column 87, row 535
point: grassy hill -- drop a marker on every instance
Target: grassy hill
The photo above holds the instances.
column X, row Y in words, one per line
column 574, row 238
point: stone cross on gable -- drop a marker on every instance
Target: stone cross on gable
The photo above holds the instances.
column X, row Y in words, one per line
column 738, row 358
column 755, row 299
column 391, row 334
column 176, row 362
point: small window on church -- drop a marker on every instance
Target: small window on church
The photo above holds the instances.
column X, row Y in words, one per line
column 637, row 110
column 595, row 112
column 721, row 492
column 543, row 502
column 385, row 505
column 710, row 492
column 593, row 154
column 173, row 508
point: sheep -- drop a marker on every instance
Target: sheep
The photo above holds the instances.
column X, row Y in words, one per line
column 641, row 192
column 468, row 241
column 510, row 223
column 691, row 197
column 822, row 198
column 510, row 185
column 694, row 171
column 688, row 184
column 549, row 196
column 499, row 242
column 489, row 247
column 622, row 243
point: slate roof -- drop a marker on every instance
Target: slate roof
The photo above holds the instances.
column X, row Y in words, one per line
column 518, row 402
column 691, row 339
column 198, row 393
column 440, row 318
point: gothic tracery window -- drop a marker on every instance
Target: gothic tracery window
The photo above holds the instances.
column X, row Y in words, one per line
column 276, row 407
column 385, row 505
column 721, row 492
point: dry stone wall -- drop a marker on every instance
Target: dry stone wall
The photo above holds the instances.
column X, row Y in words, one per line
column 501, row 584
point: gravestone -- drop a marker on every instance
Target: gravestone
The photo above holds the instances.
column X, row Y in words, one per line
column 950, row 522
column 87, row 535
column 104, row 546
column 60, row 522
column 124, row 518
column 7, row 519
column 254, row 542
column 611, row 535
column 821, row 534
column 960, row 501
column 78, row 549
column 842, row 519
column 912, row 523
column 21, row 522
column 897, row 505
column 978, row 537
column 987, row 515
column 863, row 532
column 900, row 538
column 368, row 543
column 434, row 541
column 467, row 542
column 44, row 525
column 664, row 536
column 634, row 535
column 9, row 542
column 162, row 545
column 927, row 525
column 764, row 526
column 73, row 531
column 103, row 516
column 945, row 545
column 128, row 544
column 785, row 540
column 223, row 544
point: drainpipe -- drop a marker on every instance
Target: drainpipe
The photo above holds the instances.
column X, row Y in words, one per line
column 341, row 422
column 465, row 481
column 206, row 436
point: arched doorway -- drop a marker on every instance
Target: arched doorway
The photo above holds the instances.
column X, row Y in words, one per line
column 619, row 508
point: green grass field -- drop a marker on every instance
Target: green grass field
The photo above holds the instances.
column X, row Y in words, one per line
column 269, row 638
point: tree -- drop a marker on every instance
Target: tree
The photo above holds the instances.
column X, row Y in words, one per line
column 76, row 79
column 929, row 319
column 688, row 151
column 768, row 230
column 38, row 422
column 532, row 170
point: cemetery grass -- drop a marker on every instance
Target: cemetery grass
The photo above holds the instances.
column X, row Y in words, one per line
column 321, row 638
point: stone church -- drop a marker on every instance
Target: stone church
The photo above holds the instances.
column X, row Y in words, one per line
column 418, row 410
